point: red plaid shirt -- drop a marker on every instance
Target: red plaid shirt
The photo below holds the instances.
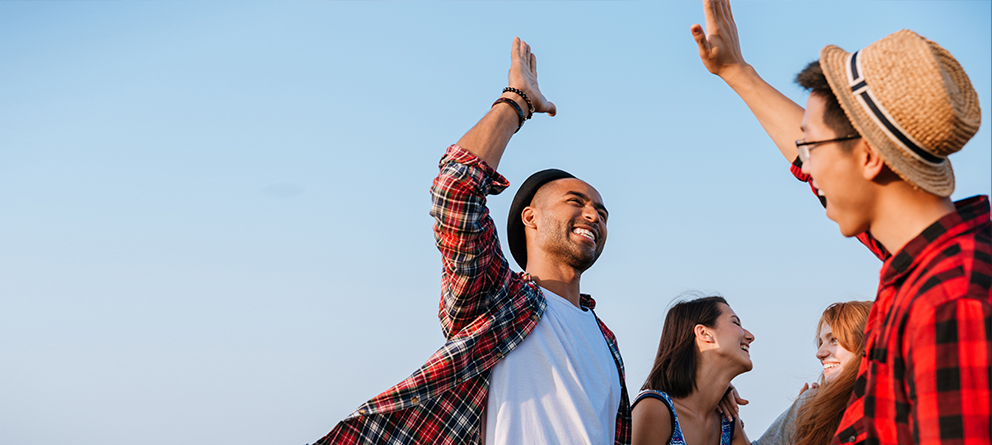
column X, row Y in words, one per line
column 926, row 376
column 485, row 312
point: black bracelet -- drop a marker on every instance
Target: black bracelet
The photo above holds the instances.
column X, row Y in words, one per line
column 526, row 99
column 520, row 112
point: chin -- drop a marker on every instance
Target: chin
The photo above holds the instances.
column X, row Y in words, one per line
column 827, row 378
column 746, row 366
column 582, row 261
column 852, row 230
column 851, row 225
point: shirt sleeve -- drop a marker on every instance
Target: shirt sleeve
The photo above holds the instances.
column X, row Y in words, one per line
column 948, row 359
column 473, row 264
column 869, row 241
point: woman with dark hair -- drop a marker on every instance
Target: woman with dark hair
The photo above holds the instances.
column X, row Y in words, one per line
column 703, row 347
column 813, row 418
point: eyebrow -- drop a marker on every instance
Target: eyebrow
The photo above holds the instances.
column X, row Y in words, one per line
column 597, row 205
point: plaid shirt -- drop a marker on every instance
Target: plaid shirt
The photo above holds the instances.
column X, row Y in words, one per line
column 485, row 312
column 926, row 378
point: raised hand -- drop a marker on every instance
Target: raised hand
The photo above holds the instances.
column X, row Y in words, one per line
column 720, row 51
column 719, row 46
column 523, row 76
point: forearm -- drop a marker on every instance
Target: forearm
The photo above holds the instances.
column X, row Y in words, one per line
column 488, row 139
column 778, row 115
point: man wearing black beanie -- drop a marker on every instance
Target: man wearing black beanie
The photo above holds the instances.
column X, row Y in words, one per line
column 526, row 359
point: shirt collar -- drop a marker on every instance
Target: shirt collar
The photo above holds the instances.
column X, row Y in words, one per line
column 970, row 213
column 585, row 300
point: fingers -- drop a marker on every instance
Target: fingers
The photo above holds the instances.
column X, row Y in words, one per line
column 724, row 410
column 552, row 110
column 709, row 11
column 533, row 63
column 737, row 397
column 728, row 406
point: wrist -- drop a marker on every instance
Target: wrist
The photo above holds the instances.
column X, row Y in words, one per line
column 518, row 111
column 518, row 99
column 739, row 74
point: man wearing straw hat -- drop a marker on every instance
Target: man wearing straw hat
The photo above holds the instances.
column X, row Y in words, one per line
column 873, row 143
column 526, row 359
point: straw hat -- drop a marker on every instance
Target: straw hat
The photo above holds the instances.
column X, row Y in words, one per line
column 911, row 100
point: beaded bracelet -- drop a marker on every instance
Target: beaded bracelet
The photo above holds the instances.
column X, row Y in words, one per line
column 526, row 99
column 520, row 113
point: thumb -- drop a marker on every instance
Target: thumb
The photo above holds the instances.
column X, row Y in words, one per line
column 699, row 36
column 552, row 110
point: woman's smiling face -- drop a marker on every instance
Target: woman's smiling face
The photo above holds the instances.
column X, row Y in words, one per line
column 832, row 355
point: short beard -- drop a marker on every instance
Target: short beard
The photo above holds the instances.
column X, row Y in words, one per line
column 558, row 246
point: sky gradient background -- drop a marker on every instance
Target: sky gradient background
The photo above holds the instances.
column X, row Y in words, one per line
column 214, row 216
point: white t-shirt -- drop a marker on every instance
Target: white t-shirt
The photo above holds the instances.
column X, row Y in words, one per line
column 559, row 386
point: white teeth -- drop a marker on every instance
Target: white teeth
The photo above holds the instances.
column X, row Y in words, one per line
column 585, row 232
column 830, row 365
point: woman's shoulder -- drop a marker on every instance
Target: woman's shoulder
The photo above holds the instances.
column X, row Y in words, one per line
column 652, row 418
column 653, row 398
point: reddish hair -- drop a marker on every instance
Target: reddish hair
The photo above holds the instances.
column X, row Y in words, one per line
column 818, row 418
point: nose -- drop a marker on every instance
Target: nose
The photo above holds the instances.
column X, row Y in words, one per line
column 821, row 352
column 805, row 168
column 591, row 214
column 748, row 336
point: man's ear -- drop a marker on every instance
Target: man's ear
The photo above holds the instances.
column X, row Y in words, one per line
column 528, row 216
column 871, row 161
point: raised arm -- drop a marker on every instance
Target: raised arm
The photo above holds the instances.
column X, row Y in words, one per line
column 488, row 138
column 720, row 51
column 475, row 268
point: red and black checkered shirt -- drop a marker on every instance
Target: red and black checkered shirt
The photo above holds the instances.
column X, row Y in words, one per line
column 485, row 312
column 926, row 374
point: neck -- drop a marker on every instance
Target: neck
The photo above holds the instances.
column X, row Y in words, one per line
column 904, row 213
column 556, row 277
column 705, row 399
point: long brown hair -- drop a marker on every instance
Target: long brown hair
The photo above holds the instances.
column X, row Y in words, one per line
column 674, row 369
column 818, row 418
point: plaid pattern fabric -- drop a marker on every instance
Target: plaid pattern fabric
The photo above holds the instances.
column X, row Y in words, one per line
column 927, row 373
column 485, row 312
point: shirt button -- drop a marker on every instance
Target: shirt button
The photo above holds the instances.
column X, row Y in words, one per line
column 414, row 400
column 851, row 439
column 534, row 317
column 361, row 412
column 499, row 355
column 458, row 381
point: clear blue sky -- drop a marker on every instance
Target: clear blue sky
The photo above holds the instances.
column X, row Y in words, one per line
column 214, row 221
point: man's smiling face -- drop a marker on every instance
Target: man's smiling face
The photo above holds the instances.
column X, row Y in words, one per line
column 836, row 173
column 571, row 222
